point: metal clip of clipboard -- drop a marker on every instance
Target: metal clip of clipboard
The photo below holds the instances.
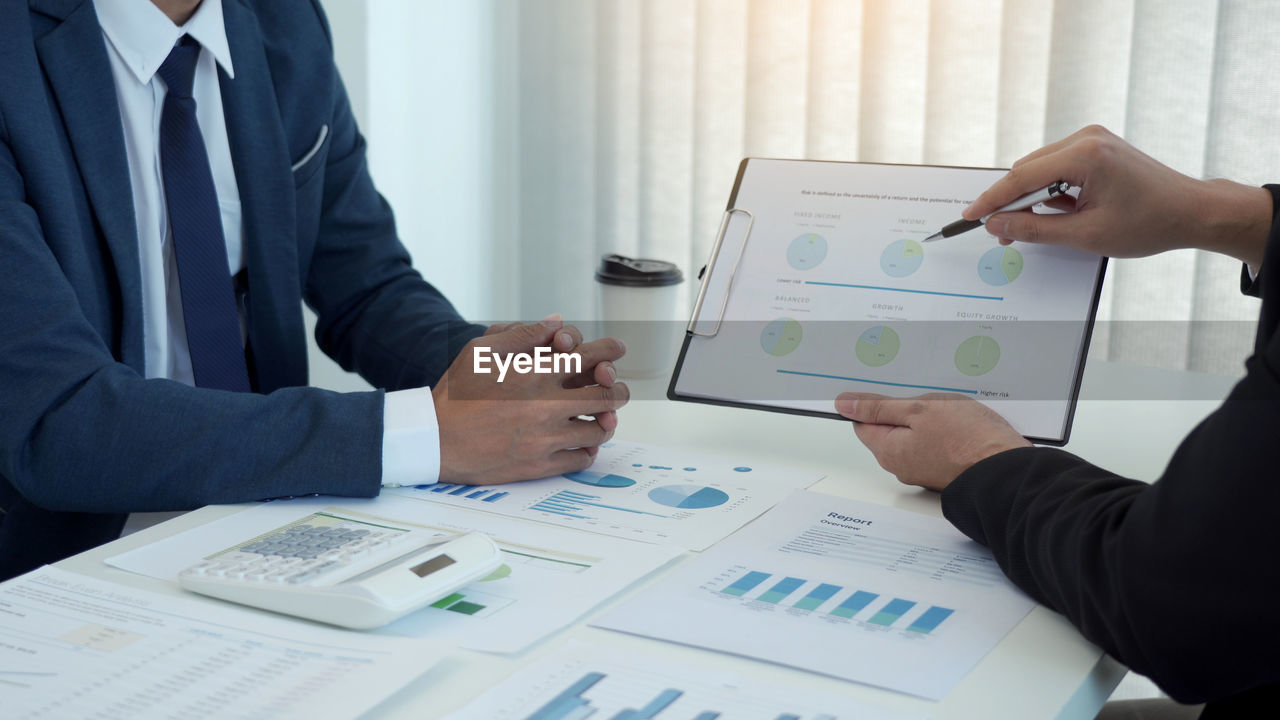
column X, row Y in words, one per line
column 711, row 269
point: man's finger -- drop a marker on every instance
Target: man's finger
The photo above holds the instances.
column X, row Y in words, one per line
column 608, row 420
column 1045, row 229
column 566, row 461
column 595, row 400
column 1027, row 178
column 583, row 434
column 522, row 338
column 878, row 409
column 496, row 328
column 604, row 373
column 597, row 351
column 1053, row 147
column 566, row 339
column 875, row 437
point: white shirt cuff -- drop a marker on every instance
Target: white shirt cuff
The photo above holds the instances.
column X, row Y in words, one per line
column 410, row 438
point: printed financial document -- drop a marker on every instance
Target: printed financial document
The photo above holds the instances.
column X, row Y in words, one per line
column 836, row 291
column 848, row 589
column 73, row 646
column 638, row 492
column 582, row 680
column 548, row 579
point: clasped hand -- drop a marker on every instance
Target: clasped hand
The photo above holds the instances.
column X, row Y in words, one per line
column 530, row 425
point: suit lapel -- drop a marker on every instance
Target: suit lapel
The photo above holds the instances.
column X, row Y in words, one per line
column 268, row 208
column 74, row 57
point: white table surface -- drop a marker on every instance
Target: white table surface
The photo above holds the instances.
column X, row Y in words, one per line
column 1042, row 669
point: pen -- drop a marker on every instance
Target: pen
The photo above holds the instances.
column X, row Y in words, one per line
column 1022, row 203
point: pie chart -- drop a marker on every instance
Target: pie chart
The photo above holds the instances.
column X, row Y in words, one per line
column 877, row 346
column 977, row 356
column 901, row 258
column 806, row 251
column 688, row 497
column 1000, row 266
column 781, row 337
column 587, row 477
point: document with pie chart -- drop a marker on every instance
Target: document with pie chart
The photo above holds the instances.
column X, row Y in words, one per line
column 821, row 282
column 639, row 492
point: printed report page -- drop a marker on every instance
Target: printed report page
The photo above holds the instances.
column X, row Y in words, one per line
column 837, row 291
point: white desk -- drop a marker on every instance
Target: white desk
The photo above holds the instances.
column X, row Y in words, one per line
column 1043, row 669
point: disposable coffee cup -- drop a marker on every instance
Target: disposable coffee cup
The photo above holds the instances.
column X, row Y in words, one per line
column 638, row 301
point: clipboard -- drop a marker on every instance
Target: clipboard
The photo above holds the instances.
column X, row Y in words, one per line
column 819, row 282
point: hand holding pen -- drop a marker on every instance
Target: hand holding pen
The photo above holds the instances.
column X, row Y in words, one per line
column 1129, row 205
column 1056, row 188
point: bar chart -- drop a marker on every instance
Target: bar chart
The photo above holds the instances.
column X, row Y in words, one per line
column 867, row 593
column 571, row 503
column 571, row 704
column 472, row 602
column 829, row 601
column 470, row 492
column 582, row 681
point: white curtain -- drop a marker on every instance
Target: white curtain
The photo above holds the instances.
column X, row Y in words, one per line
column 518, row 140
column 632, row 115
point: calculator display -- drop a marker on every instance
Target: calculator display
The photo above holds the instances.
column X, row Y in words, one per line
column 438, row 562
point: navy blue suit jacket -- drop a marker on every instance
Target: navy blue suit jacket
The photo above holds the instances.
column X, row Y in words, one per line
column 84, row 438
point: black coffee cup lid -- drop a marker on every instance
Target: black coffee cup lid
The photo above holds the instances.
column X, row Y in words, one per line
column 633, row 272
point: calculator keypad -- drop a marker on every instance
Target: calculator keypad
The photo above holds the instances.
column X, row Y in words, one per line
column 299, row 554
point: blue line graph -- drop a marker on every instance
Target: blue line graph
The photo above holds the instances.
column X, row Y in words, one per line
column 879, row 382
column 903, row 290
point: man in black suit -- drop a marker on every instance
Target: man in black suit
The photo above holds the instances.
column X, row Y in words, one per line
column 1178, row 579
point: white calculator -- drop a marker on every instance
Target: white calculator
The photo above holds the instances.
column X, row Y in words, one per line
column 343, row 571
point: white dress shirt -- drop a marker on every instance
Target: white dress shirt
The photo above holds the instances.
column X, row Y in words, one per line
column 139, row 38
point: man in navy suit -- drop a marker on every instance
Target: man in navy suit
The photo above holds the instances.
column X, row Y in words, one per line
column 143, row 145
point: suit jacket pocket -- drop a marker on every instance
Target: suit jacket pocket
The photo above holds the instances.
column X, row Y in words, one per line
column 313, row 159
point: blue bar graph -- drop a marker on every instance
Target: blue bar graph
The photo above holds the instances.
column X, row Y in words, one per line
column 817, row 596
column 784, row 588
column 650, row 711
column 890, row 613
column 746, row 583
column 470, row 492
column 569, row 701
column 570, row 704
column 930, row 620
column 573, row 504
column 854, row 604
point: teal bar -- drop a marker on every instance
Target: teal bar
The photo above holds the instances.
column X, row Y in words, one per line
column 931, row 619
column 568, row 701
column 817, row 596
column 746, row 583
column 781, row 590
column 890, row 613
column 854, row 604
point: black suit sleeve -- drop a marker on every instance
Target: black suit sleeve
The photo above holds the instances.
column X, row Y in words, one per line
column 1178, row 579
